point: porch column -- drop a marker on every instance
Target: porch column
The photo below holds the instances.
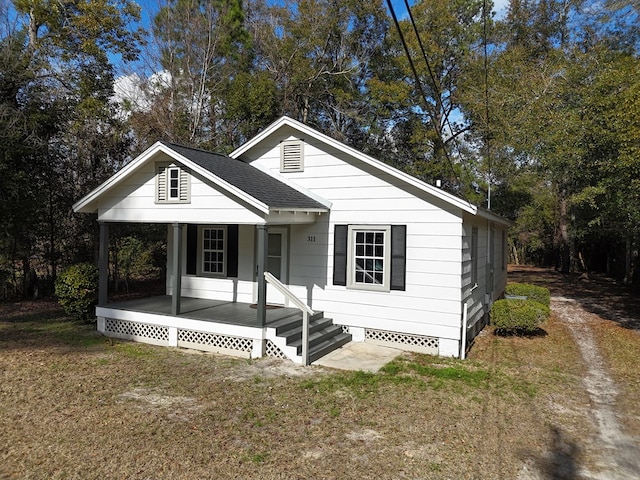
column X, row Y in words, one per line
column 103, row 264
column 177, row 269
column 263, row 238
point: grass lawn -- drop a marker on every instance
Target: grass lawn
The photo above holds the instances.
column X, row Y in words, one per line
column 75, row 405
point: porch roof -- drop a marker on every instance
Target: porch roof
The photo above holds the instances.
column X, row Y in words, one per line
column 254, row 182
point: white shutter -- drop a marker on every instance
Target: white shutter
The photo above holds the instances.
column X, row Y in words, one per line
column 184, row 185
column 291, row 156
column 162, row 184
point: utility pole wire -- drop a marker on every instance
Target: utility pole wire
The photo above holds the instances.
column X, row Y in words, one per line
column 419, row 84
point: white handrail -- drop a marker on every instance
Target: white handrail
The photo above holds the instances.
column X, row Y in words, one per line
column 304, row 308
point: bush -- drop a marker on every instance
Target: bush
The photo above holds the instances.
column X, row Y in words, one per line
column 77, row 290
column 518, row 316
column 532, row 292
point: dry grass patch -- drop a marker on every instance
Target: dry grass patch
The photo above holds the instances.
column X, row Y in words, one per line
column 75, row 405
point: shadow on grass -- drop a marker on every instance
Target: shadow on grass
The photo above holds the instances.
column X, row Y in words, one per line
column 44, row 324
column 561, row 459
column 598, row 294
column 519, row 332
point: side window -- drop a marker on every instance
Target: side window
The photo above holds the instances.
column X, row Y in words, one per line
column 474, row 256
column 369, row 257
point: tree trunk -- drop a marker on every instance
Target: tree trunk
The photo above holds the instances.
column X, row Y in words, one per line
column 563, row 240
column 628, row 251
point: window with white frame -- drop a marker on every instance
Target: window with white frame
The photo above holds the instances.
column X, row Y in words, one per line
column 474, row 256
column 172, row 184
column 213, row 248
column 369, row 263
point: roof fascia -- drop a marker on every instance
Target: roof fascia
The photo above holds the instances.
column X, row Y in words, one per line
column 83, row 204
column 394, row 172
column 493, row 217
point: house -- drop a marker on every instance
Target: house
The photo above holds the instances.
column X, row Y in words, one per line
column 296, row 244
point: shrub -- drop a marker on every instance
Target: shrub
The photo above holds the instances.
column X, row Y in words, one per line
column 77, row 290
column 518, row 316
column 532, row 292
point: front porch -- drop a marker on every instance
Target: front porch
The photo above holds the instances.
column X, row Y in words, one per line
column 218, row 326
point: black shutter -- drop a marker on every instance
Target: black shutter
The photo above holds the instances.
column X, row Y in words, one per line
column 340, row 254
column 232, row 251
column 192, row 249
column 398, row 256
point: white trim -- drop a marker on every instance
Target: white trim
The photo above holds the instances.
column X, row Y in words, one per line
column 382, row 167
column 200, row 272
column 385, row 286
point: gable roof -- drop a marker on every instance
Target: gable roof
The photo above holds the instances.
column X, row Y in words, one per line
column 252, row 181
column 252, row 185
column 377, row 164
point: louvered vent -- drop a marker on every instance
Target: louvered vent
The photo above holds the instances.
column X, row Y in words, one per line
column 291, row 156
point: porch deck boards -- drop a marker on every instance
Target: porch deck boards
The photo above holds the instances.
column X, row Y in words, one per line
column 219, row 311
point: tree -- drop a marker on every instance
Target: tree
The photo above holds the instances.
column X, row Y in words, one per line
column 320, row 55
column 423, row 109
column 56, row 82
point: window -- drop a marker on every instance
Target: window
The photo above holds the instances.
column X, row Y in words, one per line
column 291, row 156
column 172, row 184
column 213, row 243
column 474, row 256
column 503, row 246
column 369, row 255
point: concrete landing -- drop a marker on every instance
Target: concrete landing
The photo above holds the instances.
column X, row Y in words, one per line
column 359, row 356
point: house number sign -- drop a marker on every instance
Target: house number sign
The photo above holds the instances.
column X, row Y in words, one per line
column 311, row 239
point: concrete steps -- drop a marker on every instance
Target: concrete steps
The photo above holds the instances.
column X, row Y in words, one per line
column 324, row 336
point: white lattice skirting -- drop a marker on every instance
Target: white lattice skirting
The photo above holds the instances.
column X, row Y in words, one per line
column 214, row 342
column 159, row 335
column 272, row 350
column 139, row 332
column 404, row 341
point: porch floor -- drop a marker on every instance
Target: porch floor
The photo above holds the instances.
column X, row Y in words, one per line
column 219, row 311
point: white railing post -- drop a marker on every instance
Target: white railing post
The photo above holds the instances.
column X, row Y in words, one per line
column 305, row 337
column 303, row 307
column 463, row 341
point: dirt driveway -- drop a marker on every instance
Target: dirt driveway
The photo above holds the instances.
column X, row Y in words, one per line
column 585, row 306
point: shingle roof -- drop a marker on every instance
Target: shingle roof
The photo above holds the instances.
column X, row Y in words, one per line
column 250, row 180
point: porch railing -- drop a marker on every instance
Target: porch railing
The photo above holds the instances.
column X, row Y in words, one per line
column 303, row 307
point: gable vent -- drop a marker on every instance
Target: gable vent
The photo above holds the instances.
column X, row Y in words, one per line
column 291, row 156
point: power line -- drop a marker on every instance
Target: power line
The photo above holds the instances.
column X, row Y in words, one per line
column 419, row 83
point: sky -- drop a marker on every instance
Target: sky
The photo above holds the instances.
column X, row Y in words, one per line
column 150, row 7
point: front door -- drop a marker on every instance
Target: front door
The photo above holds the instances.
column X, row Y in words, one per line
column 277, row 253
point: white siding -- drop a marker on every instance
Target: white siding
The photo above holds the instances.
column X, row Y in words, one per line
column 431, row 303
column 134, row 200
